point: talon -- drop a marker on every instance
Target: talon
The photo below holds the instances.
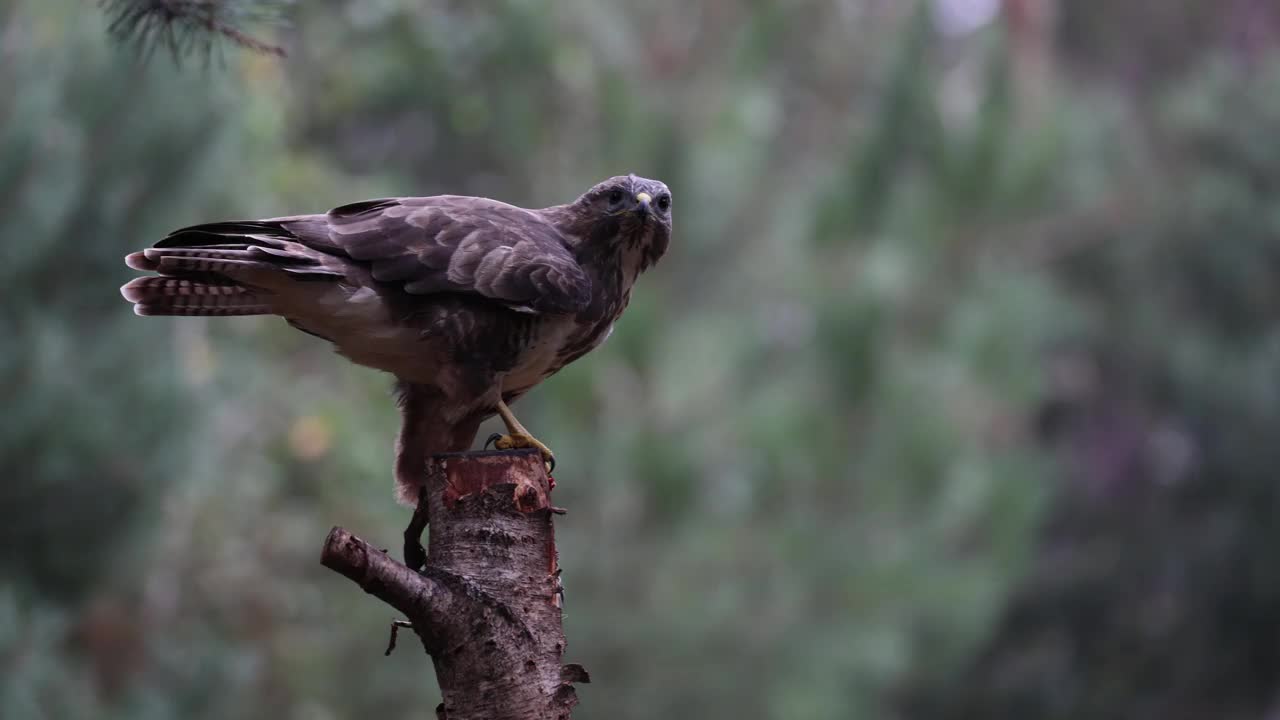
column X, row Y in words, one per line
column 510, row 442
column 516, row 441
column 520, row 438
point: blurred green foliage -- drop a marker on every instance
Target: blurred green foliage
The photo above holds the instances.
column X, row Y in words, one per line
column 953, row 397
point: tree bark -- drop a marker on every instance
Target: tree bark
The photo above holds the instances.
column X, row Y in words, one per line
column 487, row 604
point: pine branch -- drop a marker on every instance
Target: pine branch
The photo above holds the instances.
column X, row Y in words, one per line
column 187, row 26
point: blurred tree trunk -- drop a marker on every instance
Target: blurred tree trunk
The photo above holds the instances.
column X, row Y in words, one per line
column 487, row 604
column 1031, row 26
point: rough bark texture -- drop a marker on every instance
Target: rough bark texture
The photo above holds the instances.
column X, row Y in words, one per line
column 487, row 604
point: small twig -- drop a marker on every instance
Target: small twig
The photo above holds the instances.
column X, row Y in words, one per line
column 240, row 38
column 395, row 630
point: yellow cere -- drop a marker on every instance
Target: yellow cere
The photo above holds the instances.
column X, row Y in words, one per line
column 644, row 197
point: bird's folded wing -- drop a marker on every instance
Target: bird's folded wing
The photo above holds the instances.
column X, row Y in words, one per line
column 457, row 245
column 425, row 246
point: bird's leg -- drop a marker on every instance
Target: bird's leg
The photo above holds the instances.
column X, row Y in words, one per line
column 519, row 437
column 415, row 556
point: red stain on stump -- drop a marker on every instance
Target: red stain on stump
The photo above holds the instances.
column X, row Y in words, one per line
column 475, row 474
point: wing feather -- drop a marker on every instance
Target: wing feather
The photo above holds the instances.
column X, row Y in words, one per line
column 451, row 244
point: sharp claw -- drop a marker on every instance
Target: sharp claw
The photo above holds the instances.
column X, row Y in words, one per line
column 496, row 441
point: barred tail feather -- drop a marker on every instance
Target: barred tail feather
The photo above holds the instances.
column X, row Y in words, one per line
column 232, row 260
column 153, row 260
column 231, row 267
column 180, row 296
column 224, row 269
column 155, row 310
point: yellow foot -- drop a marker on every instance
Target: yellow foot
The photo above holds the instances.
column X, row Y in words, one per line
column 516, row 441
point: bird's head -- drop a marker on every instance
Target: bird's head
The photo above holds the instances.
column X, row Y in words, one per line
column 625, row 215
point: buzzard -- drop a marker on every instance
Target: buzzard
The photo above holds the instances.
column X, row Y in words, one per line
column 468, row 302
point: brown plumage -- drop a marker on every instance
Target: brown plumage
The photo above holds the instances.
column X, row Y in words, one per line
column 468, row 302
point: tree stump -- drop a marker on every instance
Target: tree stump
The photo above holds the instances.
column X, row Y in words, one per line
column 487, row 605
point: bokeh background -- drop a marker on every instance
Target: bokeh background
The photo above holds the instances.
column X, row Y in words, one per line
column 957, row 396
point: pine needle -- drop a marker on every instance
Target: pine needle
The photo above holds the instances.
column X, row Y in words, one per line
column 184, row 27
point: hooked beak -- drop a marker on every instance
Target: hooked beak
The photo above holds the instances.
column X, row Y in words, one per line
column 643, row 198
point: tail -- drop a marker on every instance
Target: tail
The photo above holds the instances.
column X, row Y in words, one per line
column 221, row 269
column 178, row 296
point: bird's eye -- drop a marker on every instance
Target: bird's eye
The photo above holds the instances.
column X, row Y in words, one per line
column 664, row 203
column 615, row 197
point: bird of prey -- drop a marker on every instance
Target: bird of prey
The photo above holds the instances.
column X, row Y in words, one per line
column 468, row 302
